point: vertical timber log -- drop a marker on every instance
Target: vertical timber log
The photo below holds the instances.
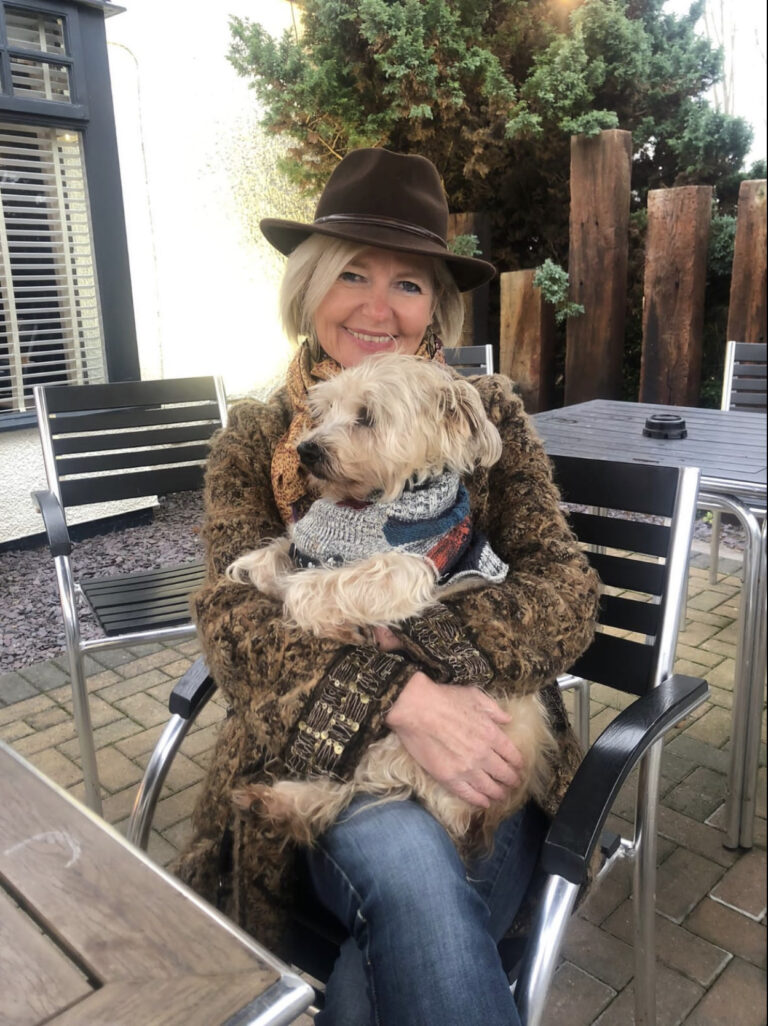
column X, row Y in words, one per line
column 527, row 340
column 475, row 331
column 597, row 264
column 673, row 294
column 747, row 306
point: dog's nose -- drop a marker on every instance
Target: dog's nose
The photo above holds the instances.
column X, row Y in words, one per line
column 310, row 453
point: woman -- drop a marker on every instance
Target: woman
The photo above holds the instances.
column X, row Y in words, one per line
column 372, row 273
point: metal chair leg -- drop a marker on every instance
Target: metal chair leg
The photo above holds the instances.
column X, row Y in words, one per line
column 644, row 889
column 80, row 706
column 714, row 548
column 540, row 960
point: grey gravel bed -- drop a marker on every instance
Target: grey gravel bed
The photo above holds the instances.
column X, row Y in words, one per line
column 30, row 619
column 31, row 627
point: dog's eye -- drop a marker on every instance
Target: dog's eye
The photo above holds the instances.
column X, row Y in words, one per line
column 364, row 417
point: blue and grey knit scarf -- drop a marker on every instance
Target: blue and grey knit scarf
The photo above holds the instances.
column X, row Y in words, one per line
column 432, row 520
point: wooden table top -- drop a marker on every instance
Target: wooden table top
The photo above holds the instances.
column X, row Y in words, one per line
column 729, row 446
column 93, row 934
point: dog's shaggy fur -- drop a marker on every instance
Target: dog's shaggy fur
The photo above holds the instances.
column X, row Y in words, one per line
column 390, row 423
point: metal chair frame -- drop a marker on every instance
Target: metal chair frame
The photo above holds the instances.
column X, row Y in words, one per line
column 744, row 388
column 123, row 440
column 655, row 563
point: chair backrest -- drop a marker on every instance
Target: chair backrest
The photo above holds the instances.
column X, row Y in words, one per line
column 635, row 522
column 468, row 360
column 744, row 385
column 127, row 439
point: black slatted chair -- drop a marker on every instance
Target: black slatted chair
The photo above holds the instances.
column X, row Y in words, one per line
column 103, row 443
column 636, row 524
column 744, row 388
column 469, row 360
column 744, row 377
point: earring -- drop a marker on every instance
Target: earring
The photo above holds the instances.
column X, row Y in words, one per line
column 432, row 341
column 316, row 353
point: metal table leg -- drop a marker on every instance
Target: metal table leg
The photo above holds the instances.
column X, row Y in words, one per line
column 748, row 677
column 755, row 708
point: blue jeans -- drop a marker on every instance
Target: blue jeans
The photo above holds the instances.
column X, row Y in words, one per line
column 423, row 926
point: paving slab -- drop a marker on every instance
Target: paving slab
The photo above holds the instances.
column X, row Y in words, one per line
column 743, row 887
column 729, row 929
column 737, row 998
column 676, row 995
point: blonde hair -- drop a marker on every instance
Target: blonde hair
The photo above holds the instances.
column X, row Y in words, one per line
column 317, row 262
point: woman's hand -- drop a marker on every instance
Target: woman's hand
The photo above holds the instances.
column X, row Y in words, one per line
column 454, row 733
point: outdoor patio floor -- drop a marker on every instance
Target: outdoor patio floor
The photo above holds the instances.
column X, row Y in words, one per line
column 711, row 930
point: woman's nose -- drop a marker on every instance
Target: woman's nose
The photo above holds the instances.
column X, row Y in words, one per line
column 377, row 304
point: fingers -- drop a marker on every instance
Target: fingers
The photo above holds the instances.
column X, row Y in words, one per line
column 497, row 714
column 464, row 790
column 502, row 772
column 478, row 788
column 507, row 750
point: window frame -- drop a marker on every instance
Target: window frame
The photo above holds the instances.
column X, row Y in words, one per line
column 76, row 111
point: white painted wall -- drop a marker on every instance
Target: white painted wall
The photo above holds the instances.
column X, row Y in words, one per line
column 204, row 283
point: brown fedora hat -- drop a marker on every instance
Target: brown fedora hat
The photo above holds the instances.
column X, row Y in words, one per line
column 390, row 200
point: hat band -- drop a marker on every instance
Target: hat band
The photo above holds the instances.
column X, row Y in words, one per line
column 382, row 222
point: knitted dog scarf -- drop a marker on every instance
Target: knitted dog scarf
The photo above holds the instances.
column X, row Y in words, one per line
column 432, row 520
column 289, row 485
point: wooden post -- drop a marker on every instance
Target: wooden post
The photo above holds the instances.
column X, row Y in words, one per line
column 747, row 307
column 476, row 302
column 527, row 339
column 673, row 294
column 597, row 264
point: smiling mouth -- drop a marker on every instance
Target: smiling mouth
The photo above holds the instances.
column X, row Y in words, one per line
column 363, row 336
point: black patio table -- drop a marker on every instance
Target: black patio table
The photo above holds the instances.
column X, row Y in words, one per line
column 729, row 447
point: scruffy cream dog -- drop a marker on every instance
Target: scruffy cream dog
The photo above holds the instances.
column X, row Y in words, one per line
column 390, row 536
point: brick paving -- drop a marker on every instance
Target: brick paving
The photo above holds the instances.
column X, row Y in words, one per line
column 711, row 902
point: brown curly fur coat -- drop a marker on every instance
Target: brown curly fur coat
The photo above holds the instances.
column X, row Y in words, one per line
column 529, row 628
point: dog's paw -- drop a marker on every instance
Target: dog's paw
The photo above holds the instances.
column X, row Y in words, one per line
column 267, row 569
column 250, row 797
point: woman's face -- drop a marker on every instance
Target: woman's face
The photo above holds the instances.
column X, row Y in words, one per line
column 381, row 302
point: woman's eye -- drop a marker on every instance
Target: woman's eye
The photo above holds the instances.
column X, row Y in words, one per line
column 411, row 287
column 349, row 276
column 364, row 417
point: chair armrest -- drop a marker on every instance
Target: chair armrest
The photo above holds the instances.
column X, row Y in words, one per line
column 55, row 524
column 192, row 690
column 577, row 826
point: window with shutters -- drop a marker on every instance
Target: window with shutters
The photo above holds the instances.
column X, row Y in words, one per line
column 50, row 324
column 50, row 329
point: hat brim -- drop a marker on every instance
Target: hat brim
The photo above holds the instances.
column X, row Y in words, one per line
column 468, row 272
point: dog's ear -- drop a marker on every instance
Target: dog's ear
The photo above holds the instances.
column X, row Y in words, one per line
column 470, row 419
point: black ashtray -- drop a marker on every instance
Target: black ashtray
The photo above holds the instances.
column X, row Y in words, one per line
column 665, row 425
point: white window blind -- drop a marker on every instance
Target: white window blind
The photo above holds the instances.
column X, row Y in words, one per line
column 50, row 323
